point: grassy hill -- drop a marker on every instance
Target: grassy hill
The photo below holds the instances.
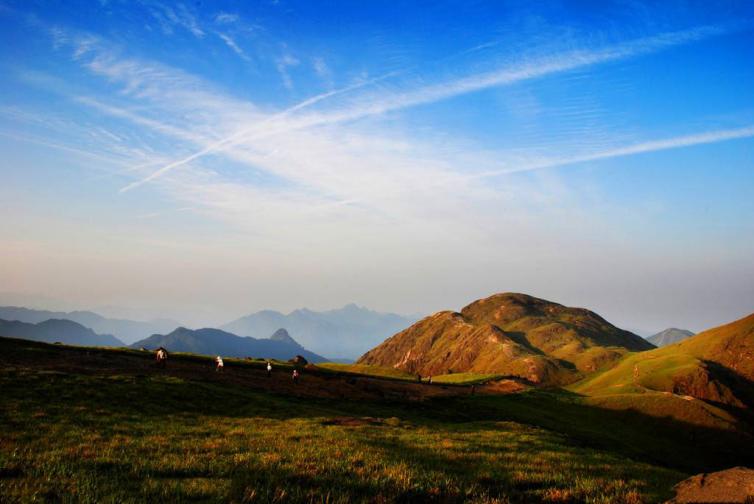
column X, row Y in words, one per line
column 509, row 334
column 716, row 365
column 94, row 425
column 705, row 380
column 101, row 425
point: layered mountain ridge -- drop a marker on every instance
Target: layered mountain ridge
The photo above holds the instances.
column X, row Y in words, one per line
column 57, row 331
column 217, row 342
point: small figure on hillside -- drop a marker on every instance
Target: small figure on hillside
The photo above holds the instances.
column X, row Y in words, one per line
column 219, row 364
column 295, row 376
column 269, row 369
column 429, row 380
column 161, row 357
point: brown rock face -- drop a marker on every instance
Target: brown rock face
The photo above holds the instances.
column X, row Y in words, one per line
column 510, row 334
column 734, row 485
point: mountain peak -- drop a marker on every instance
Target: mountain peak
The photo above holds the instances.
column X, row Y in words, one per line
column 282, row 335
column 508, row 333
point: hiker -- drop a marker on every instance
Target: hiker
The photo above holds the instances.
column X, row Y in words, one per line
column 220, row 364
column 429, row 380
column 269, row 369
column 161, row 357
column 295, row 376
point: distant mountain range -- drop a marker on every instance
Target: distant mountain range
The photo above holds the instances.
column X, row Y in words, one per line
column 57, row 330
column 343, row 333
column 510, row 334
column 127, row 331
column 216, row 342
column 669, row 337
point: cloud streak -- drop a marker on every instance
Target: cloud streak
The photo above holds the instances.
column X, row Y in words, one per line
column 633, row 149
column 535, row 68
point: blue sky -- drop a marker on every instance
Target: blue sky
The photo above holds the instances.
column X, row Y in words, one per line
column 206, row 159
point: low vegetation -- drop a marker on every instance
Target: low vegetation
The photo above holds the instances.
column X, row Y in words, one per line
column 93, row 434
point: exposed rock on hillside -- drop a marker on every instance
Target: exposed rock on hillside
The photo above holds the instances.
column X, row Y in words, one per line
column 510, row 334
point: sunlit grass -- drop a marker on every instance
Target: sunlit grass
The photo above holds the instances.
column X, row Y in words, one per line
column 465, row 378
column 364, row 369
column 139, row 438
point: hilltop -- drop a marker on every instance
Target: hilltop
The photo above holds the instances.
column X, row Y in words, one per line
column 669, row 336
column 511, row 334
column 57, row 330
column 216, row 342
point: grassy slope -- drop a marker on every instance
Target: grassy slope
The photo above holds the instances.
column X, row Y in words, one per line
column 365, row 369
column 716, row 365
column 93, row 437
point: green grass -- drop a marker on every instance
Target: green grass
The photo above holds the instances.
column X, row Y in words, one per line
column 91, row 438
column 367, row 370
column 465, row 378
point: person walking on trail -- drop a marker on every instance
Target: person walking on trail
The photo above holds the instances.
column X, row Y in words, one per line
column 269, row 369
column 219, row 364
column 295, row 376
column 161, row 357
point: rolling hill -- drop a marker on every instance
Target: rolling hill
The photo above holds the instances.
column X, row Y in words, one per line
column 216, row 342
column 716, row 365
column 510, row 334
column 57, row 330
column 125, row 330
column 346, row 332
column 669, row 336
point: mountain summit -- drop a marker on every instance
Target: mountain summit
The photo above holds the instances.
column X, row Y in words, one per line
column 669, row 336
column 509, row 333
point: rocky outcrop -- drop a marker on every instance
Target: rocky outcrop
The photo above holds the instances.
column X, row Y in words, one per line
column 731, row 486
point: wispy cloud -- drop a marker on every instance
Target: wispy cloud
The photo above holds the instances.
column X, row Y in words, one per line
column 283, row 63
column 677, row 142
column 181, row 17
column 226, row 18
column 232, row 44
column 371, row 105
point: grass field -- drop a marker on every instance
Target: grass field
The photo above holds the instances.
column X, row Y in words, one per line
column 89, row 433
column 363, row 369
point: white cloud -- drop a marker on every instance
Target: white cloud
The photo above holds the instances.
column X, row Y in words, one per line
column 232, row 44
column 283, row 63
column 181, row 17
column 226, row 18
column 632, row 149
column 383, row 102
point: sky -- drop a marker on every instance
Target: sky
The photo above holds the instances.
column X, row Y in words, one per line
column 204, row 160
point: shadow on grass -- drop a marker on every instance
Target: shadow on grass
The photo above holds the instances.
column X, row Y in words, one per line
column 118, row 399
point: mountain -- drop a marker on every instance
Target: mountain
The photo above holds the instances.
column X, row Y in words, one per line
column 669, row 336
column 511, row 334
column 216, row 342
column 125, row 330
column 346, row 332
column 57, row 330
column 716, row 365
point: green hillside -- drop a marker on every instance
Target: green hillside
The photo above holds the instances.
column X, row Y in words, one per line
column 92, row 426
